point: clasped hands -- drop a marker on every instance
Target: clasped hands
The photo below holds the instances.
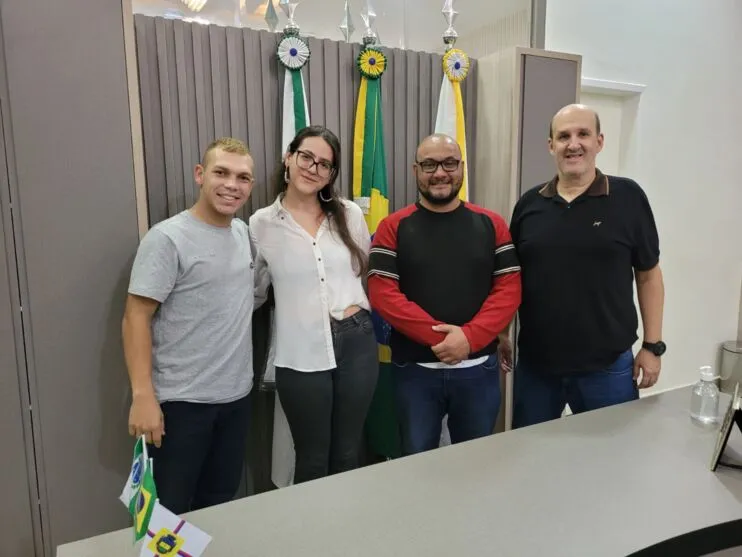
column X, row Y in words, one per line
column 454, row 348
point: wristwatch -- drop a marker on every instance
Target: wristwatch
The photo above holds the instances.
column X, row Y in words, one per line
column 657, row 348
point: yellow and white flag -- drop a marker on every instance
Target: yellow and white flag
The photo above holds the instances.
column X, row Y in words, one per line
column 450, row 121
column 168, row 535
column 450, row 118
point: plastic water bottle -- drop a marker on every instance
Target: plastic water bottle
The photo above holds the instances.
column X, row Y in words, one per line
column 704, row 403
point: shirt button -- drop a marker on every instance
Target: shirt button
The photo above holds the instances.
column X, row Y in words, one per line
column 323, row 280
column 319, row 259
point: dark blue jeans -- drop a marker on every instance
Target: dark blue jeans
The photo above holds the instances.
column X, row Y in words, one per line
column 539, row 396
column 470, row 396
column 202, row 455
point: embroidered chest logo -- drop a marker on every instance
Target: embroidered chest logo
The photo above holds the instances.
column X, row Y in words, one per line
column 597, row 223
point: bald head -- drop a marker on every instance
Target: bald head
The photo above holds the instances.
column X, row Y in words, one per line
column 438, row 142
column 439, row 171
column 575, row 141
column 571, row 110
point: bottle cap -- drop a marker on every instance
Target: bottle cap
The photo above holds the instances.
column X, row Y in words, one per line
column 707, row 373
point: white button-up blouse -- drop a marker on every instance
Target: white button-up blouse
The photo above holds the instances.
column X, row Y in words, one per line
column 313, row 282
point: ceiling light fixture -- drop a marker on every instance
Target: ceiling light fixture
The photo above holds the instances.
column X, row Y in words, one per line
column 194, row 5
column 261, row 9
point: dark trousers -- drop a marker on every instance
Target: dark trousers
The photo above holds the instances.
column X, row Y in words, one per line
column 540, row 396
column 202, row 455
column 470, row 396
column 326, row 410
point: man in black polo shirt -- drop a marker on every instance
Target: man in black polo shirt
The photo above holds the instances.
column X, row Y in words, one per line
column 582, row 239
column 444, row 274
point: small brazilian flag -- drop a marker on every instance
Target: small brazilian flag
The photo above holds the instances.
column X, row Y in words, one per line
column 138, row 464
column 142, row 504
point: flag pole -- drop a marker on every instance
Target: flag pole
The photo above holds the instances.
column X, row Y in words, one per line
column 450, row 119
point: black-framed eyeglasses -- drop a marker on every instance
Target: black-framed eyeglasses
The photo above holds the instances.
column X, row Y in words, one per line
column 429, row 166
column 306, row 161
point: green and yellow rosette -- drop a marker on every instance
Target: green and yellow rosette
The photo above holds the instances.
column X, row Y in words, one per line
column 371, row 63
column 456, row 64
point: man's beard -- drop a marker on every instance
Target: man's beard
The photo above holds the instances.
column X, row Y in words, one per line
column 445, row 200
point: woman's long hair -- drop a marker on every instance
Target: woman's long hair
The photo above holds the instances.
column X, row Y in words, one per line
column 333, row 209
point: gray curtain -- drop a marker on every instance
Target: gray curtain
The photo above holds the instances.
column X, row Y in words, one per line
column 200, row 82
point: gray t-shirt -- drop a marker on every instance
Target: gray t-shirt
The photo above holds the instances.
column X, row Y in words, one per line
column 202, row 275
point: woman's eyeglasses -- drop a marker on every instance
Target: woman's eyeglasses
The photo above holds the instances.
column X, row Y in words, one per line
column 306, row 161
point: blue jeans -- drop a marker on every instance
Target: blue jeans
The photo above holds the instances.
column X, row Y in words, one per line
column 539, row 396
column 470, row 396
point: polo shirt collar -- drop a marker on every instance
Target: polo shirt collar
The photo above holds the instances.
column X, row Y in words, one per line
column 598, row 188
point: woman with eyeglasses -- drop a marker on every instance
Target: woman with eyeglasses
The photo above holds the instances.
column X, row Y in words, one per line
column 313, row 247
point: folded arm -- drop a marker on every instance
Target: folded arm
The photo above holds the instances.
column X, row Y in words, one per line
column 386, row 297
column 504, row 298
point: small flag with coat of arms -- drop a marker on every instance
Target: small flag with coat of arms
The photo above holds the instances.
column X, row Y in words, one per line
column 140, row 494
column 139, row 463
column 168, row 535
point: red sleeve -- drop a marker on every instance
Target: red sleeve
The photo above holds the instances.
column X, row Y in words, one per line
column 502, row 303
column 383, row 288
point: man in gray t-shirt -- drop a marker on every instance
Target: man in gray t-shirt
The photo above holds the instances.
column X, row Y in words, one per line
column 188, row 337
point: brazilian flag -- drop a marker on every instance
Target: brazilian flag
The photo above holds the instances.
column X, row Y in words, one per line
column 143, row 503
column 370, row 192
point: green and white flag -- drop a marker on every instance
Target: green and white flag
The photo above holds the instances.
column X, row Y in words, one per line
column 293, row 53
column 139, row 462
column 139, row 493
column 295, row 109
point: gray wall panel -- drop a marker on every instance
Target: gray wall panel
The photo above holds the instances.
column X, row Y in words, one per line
column 408, row 193
column 74, row 169
column 538, row 23
column 347, row 97
column 548, row 84
column 16, row 519
column 149, row 90
column 331, row 95
column 469, row 93
column 399, row 162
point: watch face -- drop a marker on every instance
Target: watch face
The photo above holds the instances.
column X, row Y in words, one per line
column 659, row 348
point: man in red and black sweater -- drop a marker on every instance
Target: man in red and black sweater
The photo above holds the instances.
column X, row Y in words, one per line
column 444, row 274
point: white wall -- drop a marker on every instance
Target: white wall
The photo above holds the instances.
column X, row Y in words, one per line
column 686, row 153
column 611, row 110
column 513, row 29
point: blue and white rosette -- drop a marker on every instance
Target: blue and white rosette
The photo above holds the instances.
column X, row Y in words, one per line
column 293, row 52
